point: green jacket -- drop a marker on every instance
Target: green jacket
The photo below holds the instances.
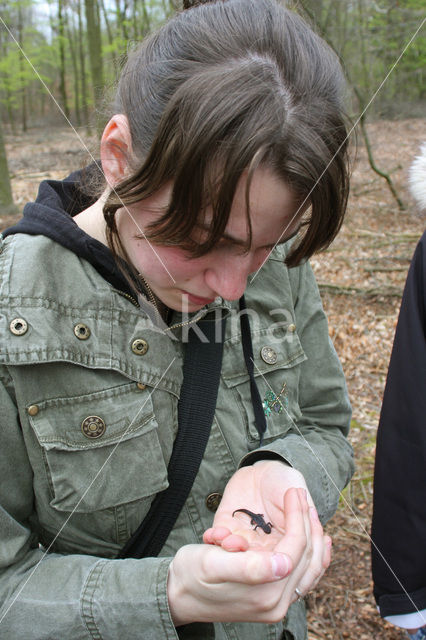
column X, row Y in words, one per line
column 69, row 501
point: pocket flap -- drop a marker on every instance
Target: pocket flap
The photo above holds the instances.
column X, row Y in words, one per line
column 119, row 413
column 118, row 461
column 279, row 348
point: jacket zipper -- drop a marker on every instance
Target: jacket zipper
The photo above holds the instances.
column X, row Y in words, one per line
column 128, row 297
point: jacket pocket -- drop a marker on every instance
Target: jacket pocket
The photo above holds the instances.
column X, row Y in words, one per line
column 276, row 358
column 101, row 449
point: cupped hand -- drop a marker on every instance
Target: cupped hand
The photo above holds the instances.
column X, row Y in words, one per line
column 260, row 489
column 208, row 584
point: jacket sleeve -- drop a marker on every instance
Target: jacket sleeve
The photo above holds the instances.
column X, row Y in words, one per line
column 399, row 512
column 72, row 597
column 316, row 444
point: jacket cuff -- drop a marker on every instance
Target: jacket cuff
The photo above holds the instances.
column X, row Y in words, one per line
column 294, row 451
column 131, row 590
column 401, row 603
column 261, row 454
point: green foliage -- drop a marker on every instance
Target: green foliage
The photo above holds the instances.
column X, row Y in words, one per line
column 23, row 48
column 368, row 35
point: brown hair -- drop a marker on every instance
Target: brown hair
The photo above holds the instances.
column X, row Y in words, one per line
column 222, row 88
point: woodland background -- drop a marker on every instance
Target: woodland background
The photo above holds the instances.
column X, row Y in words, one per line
column 58, row 62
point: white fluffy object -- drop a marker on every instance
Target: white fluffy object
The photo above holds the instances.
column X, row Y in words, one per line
column 417, row 178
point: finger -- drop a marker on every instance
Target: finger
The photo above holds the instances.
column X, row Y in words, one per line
column 319, row 545
column 223, row 537
column 215, row 535
column 326, row 556
column 308, row 511
column 248, row 567
column 320, row 551
column 235, row 542
column 293, row 542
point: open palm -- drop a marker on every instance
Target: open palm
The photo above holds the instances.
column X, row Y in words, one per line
column 260, row 489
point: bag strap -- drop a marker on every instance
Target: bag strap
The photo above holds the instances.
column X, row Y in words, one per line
column 259, row 415
column 201, row 373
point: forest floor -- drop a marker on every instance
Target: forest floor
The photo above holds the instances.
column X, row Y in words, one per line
column 361, row 279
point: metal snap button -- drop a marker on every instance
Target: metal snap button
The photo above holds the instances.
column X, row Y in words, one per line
column 81, row 331
column 268, row 355
column 93, row 427
column 213, row 501
column 139, row 346
column 141, row 386
column 33, row 410
column 292, row 328
column 18, row 326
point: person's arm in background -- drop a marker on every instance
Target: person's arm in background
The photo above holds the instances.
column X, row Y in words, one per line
column 399, row 511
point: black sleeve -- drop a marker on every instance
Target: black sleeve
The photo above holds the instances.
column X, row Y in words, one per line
column 399, row 507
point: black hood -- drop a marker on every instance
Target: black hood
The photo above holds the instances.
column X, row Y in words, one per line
column 51, row 215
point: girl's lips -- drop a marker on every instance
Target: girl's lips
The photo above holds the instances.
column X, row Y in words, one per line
column 196, row 299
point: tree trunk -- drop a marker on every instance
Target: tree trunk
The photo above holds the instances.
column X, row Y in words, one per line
column 109, row 33
column 121, row 19
column 5, row 81
column 22, row 67
column 6, row 200
column 95, row 54
column 71, row 40
column 146, row 24
column 83, row 78
column 62, row 85
column 371, row 160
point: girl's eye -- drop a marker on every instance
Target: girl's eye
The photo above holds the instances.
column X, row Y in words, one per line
column 226, row 245
column 265, row 250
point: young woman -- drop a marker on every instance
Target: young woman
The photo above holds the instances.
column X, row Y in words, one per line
column 227, row 139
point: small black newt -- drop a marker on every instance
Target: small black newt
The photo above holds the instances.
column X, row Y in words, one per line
column 257, row 520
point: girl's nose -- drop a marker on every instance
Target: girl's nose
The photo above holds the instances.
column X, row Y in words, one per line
column 228, row 278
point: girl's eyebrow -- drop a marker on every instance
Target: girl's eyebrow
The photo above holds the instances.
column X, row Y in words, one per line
column 244, row 243
column 225, row 236
column 240, row 242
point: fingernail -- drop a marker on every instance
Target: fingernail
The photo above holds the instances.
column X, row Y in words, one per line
column 281, row 565
column 314, row 514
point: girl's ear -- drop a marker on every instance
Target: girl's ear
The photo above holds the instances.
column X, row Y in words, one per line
column 116, row 149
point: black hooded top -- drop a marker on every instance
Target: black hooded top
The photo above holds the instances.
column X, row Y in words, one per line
column 52, row 214
column 399, row 518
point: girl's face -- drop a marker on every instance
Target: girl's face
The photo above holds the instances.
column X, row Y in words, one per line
column 187, row 284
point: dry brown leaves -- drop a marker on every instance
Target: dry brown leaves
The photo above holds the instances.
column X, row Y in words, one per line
column 361, row 279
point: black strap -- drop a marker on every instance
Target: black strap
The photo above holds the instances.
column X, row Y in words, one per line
column 259, row 414
column 201, row 373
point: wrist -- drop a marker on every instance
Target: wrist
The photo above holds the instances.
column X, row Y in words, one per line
column 283, row 466
column 417, row 634
column 261, row 455
column 272, row 461
column 176, row 598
